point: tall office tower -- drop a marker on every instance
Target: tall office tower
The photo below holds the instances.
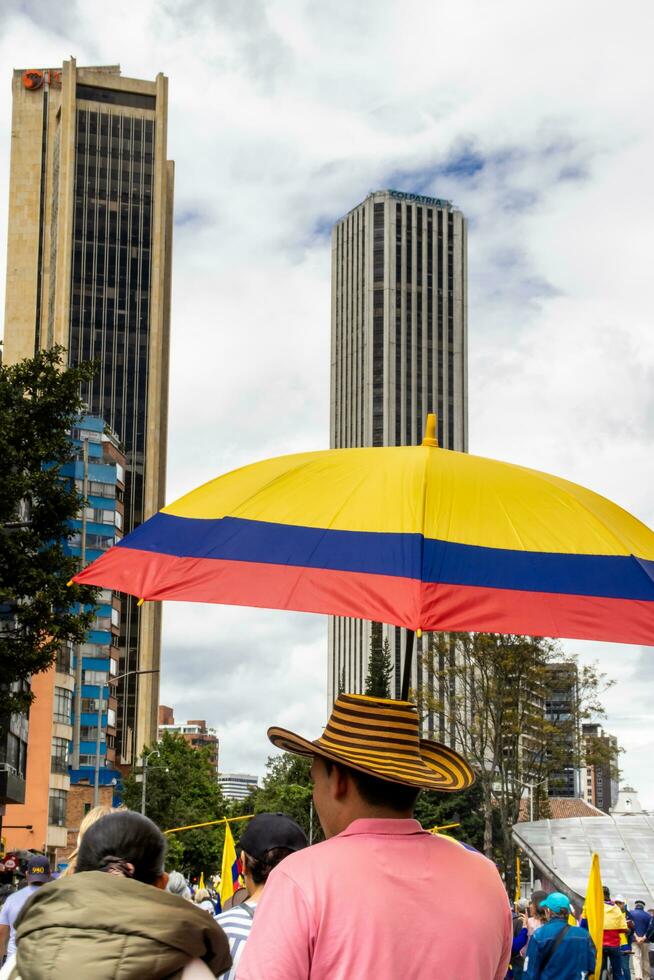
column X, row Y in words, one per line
column 561, row 697
column 89, row 266
column 399, row 333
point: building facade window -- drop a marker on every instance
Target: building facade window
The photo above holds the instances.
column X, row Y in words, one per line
column 95, row 677
column 63, row 701
column 59, row 755
column 57, row 808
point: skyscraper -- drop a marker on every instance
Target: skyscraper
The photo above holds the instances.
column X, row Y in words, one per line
column 399, row 351
column 89, row 267
column 561, row 696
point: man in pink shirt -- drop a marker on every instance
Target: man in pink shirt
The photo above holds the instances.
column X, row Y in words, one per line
column 380, row 899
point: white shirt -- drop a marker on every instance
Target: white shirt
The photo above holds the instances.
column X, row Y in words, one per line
column 9, row 913
column 236, row 924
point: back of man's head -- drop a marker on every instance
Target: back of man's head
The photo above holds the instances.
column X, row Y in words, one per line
column 342, row 794
column 607, row 893
column 379, row 793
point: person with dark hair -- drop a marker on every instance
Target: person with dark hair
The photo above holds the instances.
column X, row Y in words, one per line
column 38, row 873
column 267, row 840
column 411, row 914
column 537, row 916
column 113, row 916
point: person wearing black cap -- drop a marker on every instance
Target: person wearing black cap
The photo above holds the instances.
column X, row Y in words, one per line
column 38, row 873
column 267, row 840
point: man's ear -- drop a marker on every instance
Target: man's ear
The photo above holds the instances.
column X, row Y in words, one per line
column 162, row 881
column 342, row 782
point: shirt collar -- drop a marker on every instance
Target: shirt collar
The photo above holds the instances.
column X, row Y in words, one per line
column 385, row 827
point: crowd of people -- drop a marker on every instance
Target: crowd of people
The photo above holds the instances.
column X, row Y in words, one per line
column 551, row 940
column 379, row 898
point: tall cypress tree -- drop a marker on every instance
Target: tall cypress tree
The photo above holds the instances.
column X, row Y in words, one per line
column 380, row 669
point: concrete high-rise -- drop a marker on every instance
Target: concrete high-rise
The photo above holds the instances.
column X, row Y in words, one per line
column 89, row 267
column 398, row 352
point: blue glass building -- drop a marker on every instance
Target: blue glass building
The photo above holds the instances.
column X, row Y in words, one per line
column 100, row 478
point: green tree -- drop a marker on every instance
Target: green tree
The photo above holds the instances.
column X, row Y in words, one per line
column 286, row 788
column 39, row 403
column 182, row 789
column 464, row 808
column 492, row 692
column 380, row 668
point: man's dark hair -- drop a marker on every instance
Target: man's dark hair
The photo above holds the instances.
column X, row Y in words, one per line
column 537, row 897
column 125, row 843
column 378, row 792
column 607, row 893
column 261, row 868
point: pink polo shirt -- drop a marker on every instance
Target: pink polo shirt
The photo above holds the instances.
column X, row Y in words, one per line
column 385, row 900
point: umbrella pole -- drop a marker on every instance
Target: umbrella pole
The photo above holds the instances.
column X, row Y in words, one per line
column 408, row 659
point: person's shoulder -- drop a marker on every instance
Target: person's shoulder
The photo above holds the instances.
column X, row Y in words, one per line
column 235, row 914
column 459, row 854
column 16, row 899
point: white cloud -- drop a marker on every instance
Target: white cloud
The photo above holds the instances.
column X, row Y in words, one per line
column 283, row 115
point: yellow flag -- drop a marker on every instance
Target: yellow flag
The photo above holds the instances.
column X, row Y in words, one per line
column 229, row 868
column 517, row 878
column 201, row 883
column 594, row 910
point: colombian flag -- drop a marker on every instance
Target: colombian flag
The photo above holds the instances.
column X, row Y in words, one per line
column 229, row 870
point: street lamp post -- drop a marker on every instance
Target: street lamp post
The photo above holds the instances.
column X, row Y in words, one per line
column 146, row 758
column 110, row 681
column 531, row 787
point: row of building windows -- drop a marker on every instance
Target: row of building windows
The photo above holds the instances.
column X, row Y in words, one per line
column 59, row 755
column 94, row 542
column 63, row 703
column 98, row 516
column 94, row 93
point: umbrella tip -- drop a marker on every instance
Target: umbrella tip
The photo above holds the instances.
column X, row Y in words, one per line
column 430, row 431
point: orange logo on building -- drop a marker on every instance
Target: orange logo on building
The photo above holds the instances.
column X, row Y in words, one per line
column 33, row 79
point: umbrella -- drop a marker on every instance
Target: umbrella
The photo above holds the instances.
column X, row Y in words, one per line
column 414, row 536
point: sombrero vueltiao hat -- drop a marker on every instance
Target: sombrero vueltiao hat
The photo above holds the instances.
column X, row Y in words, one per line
column 382, row 738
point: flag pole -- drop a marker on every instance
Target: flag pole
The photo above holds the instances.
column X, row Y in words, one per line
column 208, row 823
column 430, row 439
column 408, row 659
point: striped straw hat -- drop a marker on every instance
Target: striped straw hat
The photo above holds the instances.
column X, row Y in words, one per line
column 382, row 738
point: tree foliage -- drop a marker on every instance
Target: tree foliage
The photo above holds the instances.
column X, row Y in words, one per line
column 39, row 403
column 286, row 788
column 380, row 668
column 181, row 789
column 493, row 694
column 464, row 808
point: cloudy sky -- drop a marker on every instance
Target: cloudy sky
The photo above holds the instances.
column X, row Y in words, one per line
column 535, row 119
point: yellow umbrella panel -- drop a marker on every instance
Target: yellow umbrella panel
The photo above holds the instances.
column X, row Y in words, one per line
column 416, row 536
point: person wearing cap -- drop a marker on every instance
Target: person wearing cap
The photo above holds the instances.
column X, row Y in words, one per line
column 410, row 913
column 559, row 951
column 268, row 839
column 38, row 873
column 642, row 923
column 615, row 928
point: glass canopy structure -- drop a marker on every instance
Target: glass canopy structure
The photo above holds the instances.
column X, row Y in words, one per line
column 561, row 851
